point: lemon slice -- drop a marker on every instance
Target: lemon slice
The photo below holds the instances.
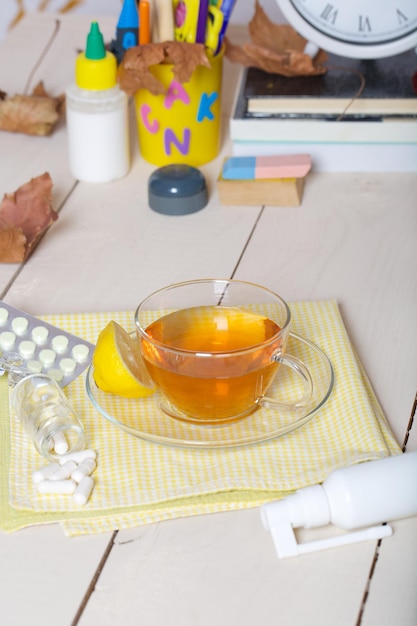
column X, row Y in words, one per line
column 118, row 364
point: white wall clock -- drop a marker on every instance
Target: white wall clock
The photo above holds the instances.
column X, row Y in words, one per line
column 363, row 29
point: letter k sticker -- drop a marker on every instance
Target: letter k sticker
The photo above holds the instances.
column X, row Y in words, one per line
column 204, row 109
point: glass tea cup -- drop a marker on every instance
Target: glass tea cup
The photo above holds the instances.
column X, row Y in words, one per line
column 213, row 348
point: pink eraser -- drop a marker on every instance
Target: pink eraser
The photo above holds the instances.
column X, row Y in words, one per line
column 282, row 166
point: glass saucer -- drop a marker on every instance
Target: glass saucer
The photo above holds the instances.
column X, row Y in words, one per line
column 143, row 418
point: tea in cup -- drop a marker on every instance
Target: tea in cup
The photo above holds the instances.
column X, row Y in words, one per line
column 213, row 348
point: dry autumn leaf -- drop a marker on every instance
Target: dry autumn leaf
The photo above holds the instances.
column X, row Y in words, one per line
column 134, row 71
column 275, row 48
column 32, row 115
column 24, row 216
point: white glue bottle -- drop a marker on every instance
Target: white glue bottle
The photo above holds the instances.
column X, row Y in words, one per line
column 352, row 497
column 97, row 116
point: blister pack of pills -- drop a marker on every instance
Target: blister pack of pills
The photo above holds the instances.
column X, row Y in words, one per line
column 28, row 344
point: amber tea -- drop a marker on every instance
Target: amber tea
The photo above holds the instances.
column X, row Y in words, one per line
column 213, row 362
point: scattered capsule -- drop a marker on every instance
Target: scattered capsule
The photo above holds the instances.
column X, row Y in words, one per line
column 44, row 473
column 60, row 443
column 64, row 471
column 85, row 468
column 83, row 490
column 57, row 486
column 78, row 456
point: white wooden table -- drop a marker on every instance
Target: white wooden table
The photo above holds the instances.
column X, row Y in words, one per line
column 353, row 239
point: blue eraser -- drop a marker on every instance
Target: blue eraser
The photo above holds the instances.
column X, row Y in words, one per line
column 239, row 168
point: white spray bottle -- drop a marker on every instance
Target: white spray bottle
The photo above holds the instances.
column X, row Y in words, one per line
column 352, row 497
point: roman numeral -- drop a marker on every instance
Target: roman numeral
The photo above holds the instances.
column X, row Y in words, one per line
column 329, row 13
column 364, row 23
column 401, row 17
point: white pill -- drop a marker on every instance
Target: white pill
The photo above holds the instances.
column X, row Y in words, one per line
column 83, row 490
column 20, row 325
column 34, row 366
column 7, row 340
column 60, row 343
column 67, row 365
column 57, row 486
column 47, row 357
column 64, row 471
column 60, row 443
column 80, row 352
column 56, row 374
column 79, row 456
column 4, row 314
column 85, row 468
column 44, row 472
column 27, row 349
column 40, row 335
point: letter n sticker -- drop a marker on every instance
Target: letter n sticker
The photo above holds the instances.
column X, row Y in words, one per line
column 171, row 138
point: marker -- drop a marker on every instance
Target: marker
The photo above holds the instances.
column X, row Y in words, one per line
column 127, row 30
column 144, row 22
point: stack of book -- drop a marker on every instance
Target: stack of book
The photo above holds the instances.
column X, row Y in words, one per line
column 361, row 115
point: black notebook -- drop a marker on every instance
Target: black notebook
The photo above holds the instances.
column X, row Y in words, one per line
column 381, row 87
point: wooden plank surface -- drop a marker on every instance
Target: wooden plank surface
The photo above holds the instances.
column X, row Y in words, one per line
column 352, row 239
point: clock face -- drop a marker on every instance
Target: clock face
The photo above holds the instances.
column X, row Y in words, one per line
column 355, row 28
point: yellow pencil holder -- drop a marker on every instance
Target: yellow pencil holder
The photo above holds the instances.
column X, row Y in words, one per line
column 182, row 125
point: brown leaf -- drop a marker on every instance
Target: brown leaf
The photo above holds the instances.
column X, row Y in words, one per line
column 12, row 245
column 275, row 48
column 134, row 71
column 32, row 115
column 28, row 211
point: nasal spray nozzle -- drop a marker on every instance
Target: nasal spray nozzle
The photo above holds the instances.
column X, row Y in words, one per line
column 351, row 497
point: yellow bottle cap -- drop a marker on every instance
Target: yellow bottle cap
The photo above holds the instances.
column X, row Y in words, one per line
column 96, row 68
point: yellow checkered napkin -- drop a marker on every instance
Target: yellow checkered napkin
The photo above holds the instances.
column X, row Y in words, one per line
column 138, row 482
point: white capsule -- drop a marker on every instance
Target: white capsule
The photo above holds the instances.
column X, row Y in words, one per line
column 57, row 486
column 60, row 443
column 85, row 468
column 64, row 471
column 83, row 490
column 79, row 456
column 44, row 472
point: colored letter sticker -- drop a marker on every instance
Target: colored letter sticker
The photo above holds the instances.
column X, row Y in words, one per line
column 204, row 109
